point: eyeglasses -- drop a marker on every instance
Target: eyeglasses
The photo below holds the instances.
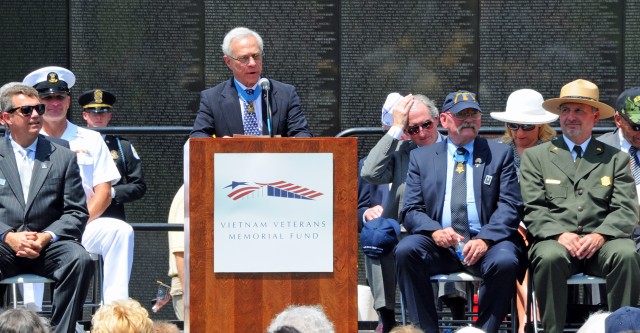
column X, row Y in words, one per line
column 27, row 110
column 515, row 127
column 635, row 127
column 246, row 59
column 415, row 129
column 466, row 115
column 54, row 97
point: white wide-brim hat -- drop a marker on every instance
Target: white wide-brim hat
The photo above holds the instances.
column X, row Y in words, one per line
column 579, row 91
column 524, row 106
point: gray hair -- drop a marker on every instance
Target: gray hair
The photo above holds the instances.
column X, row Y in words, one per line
column 239, row 33
column 22, row 321
column 11, row 89
column 304, row 318
column 433, row 110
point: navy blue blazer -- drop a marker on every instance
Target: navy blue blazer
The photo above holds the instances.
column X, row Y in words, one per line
column 220, row 115
column 496, row 189
column 369, row 195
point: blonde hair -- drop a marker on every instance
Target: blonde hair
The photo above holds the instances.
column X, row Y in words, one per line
column 124, row 316
column 545, row 134
column 406, row 329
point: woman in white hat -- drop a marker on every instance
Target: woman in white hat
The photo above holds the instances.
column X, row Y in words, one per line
column 527, row 125
column 525, row 121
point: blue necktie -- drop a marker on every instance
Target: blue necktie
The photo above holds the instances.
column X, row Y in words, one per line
column 250, row 121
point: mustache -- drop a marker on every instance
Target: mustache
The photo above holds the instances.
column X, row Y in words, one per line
column 468, row 125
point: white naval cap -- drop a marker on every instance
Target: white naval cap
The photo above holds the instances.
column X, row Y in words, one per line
column 50, row 80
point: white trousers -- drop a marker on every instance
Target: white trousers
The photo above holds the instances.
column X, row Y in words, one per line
column 113, row 240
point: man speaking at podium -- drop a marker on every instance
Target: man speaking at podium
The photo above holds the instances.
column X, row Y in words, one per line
column 236, row 107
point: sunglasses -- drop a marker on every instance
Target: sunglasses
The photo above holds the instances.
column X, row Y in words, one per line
column 415, row 129
column 526, row 128
column 27, row 110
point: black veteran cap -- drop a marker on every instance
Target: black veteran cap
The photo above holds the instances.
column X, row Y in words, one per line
column 628, row 104
column 50, row 80
column 97, row 100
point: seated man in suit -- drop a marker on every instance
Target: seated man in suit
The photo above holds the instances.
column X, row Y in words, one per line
column 411, row 122
column 627, row 137
column 235, row 106
column 42, row 208
column 580, row 208
column 463, row 190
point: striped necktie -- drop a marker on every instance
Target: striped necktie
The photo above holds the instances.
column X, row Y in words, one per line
column 635, row 168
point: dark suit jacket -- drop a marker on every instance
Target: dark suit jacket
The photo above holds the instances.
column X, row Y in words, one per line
column 220, row 114
column 56, row 200
column 497, row 198
column 369, row 195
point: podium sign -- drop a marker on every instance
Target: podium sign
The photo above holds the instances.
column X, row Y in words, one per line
column 238, row 297
column 273, row 212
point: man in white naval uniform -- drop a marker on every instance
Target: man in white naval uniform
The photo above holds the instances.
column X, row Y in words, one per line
column 109, row 237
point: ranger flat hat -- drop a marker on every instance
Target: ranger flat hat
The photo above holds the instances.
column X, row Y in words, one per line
column 50, row 80
column 579, row 91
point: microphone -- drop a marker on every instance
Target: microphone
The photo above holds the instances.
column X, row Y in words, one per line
column 266, row 86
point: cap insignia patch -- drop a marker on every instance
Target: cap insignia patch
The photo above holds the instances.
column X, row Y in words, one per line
column 97, row 96
column 53, row 77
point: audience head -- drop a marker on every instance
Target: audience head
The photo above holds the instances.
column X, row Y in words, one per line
column 469, row 329
column 525, row 121
column 461, row 117
column 625, row 319
column 165, row 327
column 304, row 318
column 243, row 53
column 22, row 321
column 627, row 117
column 579, row 109
column 286, row 329
column 96, row 107
column 124, row 316
column 595, row 323
column 406, row 329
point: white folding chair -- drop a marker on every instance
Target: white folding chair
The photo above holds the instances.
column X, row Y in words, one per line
column 579, row 278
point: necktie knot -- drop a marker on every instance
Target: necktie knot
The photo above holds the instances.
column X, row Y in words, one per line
column 460, row 155
column 249, row 91
column 578, row 150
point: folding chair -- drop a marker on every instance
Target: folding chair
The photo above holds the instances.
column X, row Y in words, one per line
column 21, row 279
column 532, row 313
column 462, row 277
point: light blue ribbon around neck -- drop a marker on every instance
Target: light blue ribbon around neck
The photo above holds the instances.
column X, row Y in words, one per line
column 245, row 96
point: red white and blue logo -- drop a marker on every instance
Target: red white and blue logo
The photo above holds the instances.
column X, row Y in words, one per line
column 279, row 189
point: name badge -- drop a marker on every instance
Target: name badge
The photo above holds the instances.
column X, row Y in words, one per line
column 552, row 181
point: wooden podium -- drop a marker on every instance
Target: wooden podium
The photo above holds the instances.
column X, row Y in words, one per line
column 247, row 302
